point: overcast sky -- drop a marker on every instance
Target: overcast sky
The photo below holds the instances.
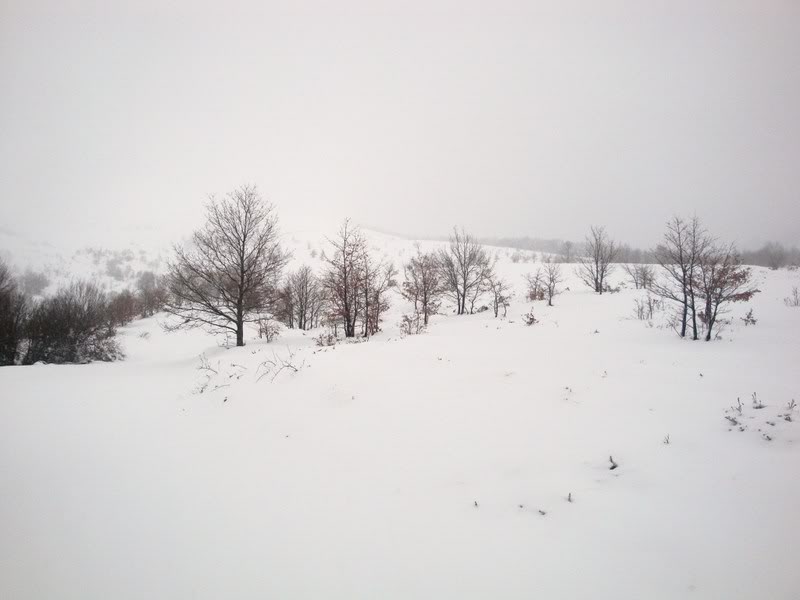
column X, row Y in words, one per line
column 118, row 119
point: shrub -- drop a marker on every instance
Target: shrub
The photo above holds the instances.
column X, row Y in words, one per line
column 71, row 327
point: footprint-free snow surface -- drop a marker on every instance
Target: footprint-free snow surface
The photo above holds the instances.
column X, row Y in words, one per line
column 471, row 461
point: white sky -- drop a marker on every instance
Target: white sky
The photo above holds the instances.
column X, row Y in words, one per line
column 117, row 119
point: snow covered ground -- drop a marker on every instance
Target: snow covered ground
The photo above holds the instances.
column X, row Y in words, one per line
column 430, row 466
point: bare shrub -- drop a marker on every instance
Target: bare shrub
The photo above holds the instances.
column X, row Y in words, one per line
column 749, row 318
column 412, row 324
column 647, row 307
column 793, row 300
column 272, row 367
column 71, row 327
column 268, row 329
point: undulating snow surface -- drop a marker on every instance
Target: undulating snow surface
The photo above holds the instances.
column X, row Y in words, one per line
column 431, row 466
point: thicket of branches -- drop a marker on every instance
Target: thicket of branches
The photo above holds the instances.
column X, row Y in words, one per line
column 76, row 324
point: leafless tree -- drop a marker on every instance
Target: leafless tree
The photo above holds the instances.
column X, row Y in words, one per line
column 379, row 278
column 464, row 267
column 344, row 280
column 642, row 275
column 552, row 279
column 422, row 284
column 229, row 274
column 596, row 263
column 536, row 285
column 501, row 294
column 678, row 256
column 721, row 279
column 301, row 299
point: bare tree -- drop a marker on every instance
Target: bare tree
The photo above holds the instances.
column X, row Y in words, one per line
column 642, row 275
column 596, row 263
column 229, row 274
column 344, row 278
column 501, row 294
column 422, row 284
column 379, row 278
column 678, row 256
column 307, row 294
column 721, row 279
column 552, row 279
column 536, row 285
column 464, row 268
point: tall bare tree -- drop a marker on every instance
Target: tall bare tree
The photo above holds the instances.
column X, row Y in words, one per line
column 228, row 275
column 422, row 284
column 464, row 267
column 596, row 262
column 344, row 280
column 678, row 256
column 307, row 297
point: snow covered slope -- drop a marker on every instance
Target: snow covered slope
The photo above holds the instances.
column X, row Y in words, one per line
column 468, row 462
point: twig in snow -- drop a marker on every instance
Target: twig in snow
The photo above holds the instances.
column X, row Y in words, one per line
column 613, row 464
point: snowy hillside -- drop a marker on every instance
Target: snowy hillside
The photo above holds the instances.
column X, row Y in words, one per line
column 471, row 461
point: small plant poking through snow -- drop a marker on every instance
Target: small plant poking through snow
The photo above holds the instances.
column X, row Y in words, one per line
column 614, row 465
column 272, row 367
column 793, row 300
column 666, row 440
column 757, row 404
column 529, row 319
column 749, row 319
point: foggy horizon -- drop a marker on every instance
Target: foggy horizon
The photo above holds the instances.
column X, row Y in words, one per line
column 526, row 120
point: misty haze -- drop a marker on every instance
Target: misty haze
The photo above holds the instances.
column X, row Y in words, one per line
column 436, row 300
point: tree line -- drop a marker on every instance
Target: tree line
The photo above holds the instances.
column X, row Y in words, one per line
column 232, row 273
